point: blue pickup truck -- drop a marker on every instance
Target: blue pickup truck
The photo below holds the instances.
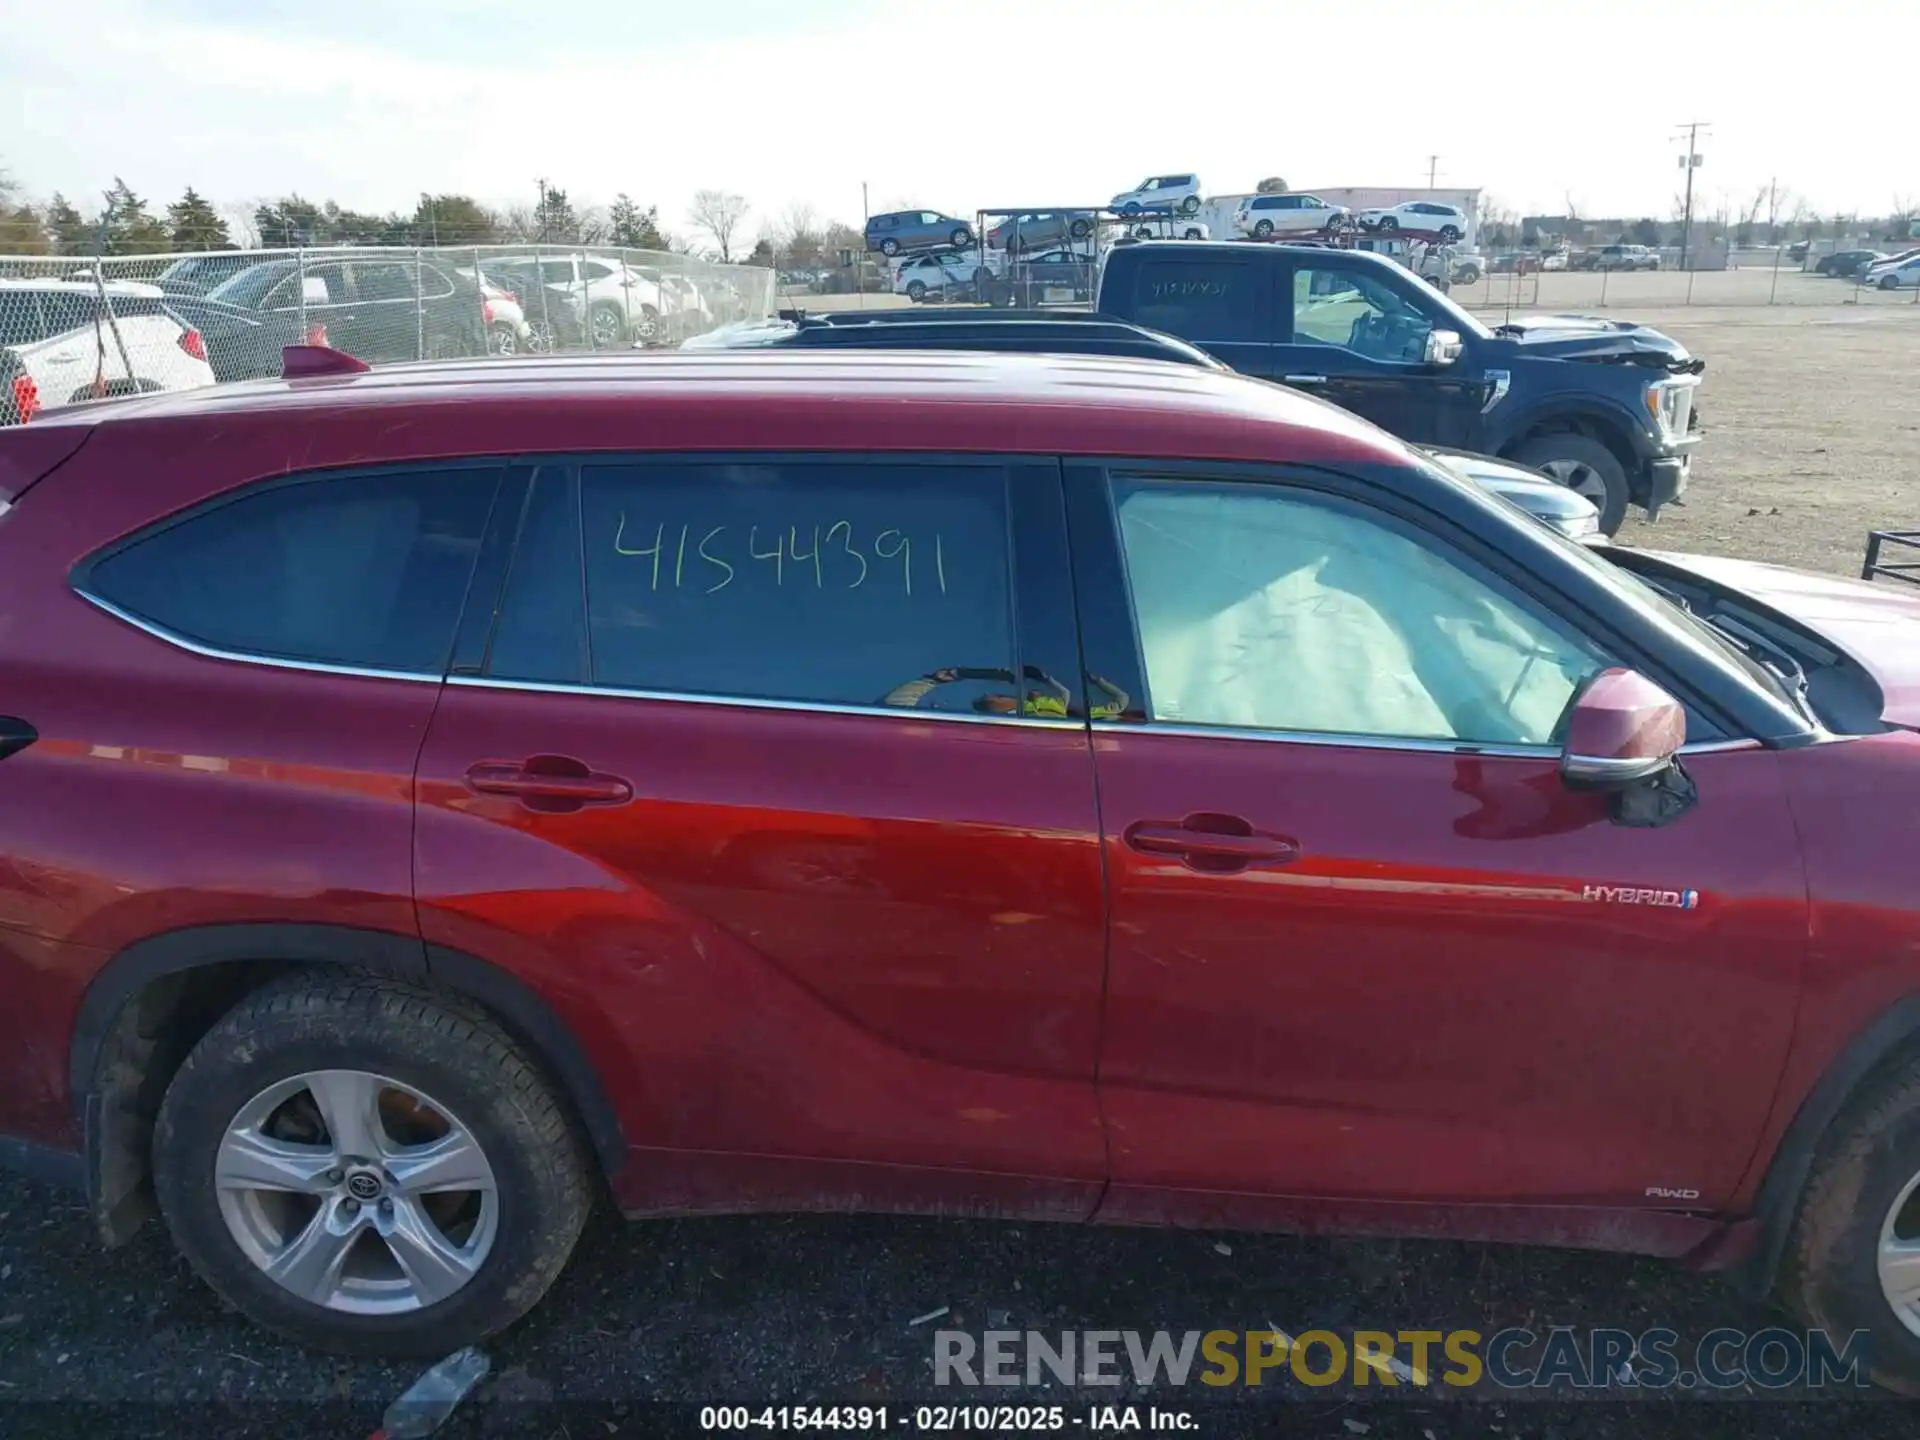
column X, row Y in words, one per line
column 1605, row 407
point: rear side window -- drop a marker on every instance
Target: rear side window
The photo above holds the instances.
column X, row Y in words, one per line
column 367, row 571
column 1203, row 299
column 812, row 582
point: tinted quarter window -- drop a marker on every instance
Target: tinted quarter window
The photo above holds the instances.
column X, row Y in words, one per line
column 65, row 310
column 20, row 322
column 363, row 570
column 1265, row 608
column 807, row 581
column 1205, row 300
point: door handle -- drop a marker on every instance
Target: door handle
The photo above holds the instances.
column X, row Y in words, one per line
column 552, row 784
column 1214, row 844
column 1304, row 379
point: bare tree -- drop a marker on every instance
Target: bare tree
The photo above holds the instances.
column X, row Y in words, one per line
column 799, row 235
column 719, row 214
column 241, row 226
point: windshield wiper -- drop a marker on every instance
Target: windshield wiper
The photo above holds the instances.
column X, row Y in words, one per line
column 1770, row 653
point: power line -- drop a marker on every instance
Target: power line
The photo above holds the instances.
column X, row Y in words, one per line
column 1689, row 162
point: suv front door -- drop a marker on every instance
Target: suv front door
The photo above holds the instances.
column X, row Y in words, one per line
column 1357, row 945
column 1355, row 334
column 744, row 778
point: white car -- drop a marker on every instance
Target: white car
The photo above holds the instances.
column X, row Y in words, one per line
column 1263, row 216
column 614, row 301
column 508, row 331
column 1180, row 193
column 1449, row 222
column 1171, row 229
column 63, row 339
column 1894, row 272
column 933, row 275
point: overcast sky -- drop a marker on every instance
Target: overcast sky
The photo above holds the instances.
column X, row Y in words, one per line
column 949, row 103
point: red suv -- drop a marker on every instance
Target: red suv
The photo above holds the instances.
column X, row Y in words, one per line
column 1085, row 788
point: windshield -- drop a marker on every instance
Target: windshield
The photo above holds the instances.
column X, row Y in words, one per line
column 249, row 287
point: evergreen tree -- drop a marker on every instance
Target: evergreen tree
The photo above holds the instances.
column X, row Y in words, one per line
column 633, row 228
column 196, row 225
column 130, row 229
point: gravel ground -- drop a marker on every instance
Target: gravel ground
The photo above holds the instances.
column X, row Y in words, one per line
column 1812, row 433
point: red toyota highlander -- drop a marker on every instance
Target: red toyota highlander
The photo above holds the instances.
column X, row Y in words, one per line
column 1072, row 788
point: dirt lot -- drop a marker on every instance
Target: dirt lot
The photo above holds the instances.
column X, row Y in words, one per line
column 1813, row 433
column 1813, row 425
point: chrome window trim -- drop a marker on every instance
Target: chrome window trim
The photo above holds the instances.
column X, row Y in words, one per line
column 740, row 702
column 241, row 657
column 1465, row 748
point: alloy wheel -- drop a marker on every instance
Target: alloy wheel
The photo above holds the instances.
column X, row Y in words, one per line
column 357, row 1193
column 1898, row 1257
column 606, row 327
column 1580, row 478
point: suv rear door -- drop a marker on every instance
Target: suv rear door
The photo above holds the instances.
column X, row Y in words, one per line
column 744, row 782
column 1215, row 296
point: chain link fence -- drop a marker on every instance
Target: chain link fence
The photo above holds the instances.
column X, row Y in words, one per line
column 75, row 328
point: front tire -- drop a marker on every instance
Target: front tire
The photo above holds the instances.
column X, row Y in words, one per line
column 1853, row 1256
column 606, row 326
column 368, row 1168
column 1449, row 233
column 1583, row 465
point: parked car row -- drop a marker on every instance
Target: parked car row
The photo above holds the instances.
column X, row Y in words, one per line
column 227, row 316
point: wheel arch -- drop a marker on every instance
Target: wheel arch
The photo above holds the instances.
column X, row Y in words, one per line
column 147, row 1007
column 1895, row 1031
column 1610, row 427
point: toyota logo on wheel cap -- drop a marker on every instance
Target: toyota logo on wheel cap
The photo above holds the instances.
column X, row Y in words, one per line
column 364, row 1185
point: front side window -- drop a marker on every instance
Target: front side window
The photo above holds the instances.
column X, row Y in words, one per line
column 1269, row 609
column 367, row 571
column 1334, row 305
column 806, row 581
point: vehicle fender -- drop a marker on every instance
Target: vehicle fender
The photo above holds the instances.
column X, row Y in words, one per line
column 1792, row 1159
column 1587, row 411
column 513, row 1003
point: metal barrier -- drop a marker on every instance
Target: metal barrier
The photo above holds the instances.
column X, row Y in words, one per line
column 80, row 327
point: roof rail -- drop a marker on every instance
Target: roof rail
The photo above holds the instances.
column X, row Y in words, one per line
column 302, row 362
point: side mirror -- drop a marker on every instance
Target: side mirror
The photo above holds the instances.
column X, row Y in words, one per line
column 1622, row 729
column 1443, row 347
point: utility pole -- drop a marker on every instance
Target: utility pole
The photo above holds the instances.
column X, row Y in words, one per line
column 1433, row 169
column 542, row 183
column 1689, row 162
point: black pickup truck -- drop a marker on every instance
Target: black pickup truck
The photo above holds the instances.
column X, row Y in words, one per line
column 1605, row 407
